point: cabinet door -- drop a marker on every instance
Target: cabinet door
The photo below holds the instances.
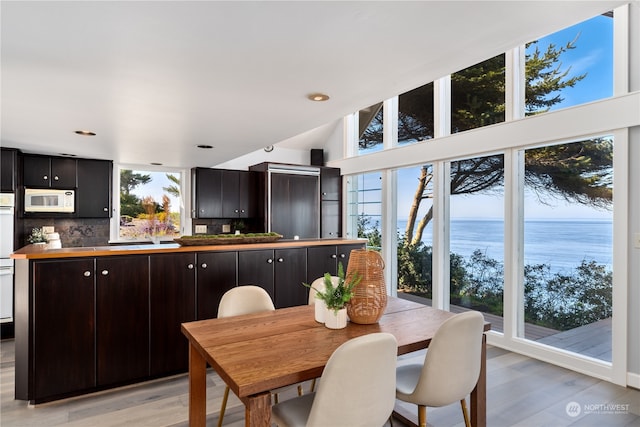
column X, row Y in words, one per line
column 330, row 184
column 290, row 273
column 172, row 302
column 320, row 260
column 216, row 275
column 63, row 172
column 36, row 171
column 344, row 251
column 256, row 268
column 63, row 327
column 8, row 170
column 330, row 220
column 122, row 318
column 207, row 188
column 248, row 196
column 93, row 198
column 295, row 205
column 230, row 194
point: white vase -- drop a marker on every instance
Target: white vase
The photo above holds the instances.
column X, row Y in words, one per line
column 335, row 319
column 320, row 310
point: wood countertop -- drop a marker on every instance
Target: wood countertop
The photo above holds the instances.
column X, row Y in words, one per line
column 38, row 252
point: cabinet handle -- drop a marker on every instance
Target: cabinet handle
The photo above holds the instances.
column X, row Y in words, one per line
column 87, row 273
column 324, row 194
column 55, row 178
column 190, row 266
column 280, row 260
column 45, row 177
column 334, row 256
column 269, row 261
column 105, row 272
column 343, row 256
column 242, row 210
column 204, row 265
column 105, row 209
column 236, row 211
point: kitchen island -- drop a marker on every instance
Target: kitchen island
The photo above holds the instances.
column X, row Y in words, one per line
column 93, row 318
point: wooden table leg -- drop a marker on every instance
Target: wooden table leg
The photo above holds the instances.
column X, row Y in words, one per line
column 479, row 394
column 257, row 410
column 197, row 388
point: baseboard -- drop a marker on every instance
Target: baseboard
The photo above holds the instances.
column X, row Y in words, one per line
column 633, row 380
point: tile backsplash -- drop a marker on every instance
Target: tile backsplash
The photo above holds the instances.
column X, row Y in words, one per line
column 73, row 232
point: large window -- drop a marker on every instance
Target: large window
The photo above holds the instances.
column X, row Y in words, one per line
column 150, row 205
column 586, row 52
column 370, row 122
column 415, row 115
column 568, row 232
column 364, row 205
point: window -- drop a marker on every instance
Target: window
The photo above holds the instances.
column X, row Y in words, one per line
column 568, row 253
column 477, row 237
column 415, row 115
column 477, row 95
column 365, row 208
column 150, row 205
column 586, row 52
column 370, row 129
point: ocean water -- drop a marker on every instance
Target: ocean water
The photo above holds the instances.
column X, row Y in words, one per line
column 562, row 244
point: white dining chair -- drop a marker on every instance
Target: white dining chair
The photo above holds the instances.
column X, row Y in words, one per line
column 450, row 370
column 246, row 299
column 357, row 387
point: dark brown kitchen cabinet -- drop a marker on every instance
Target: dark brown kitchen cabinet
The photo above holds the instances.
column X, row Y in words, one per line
column 330, row 203
column 295, row 205
column 223, row 193
column 8, row 170
column 122, row 319
column 325, row 259
column 93, row 196
column 280, row 272
column 238, row 194
column 216, row 273
column 49, row 172
column 64, row 351
column 172, row 281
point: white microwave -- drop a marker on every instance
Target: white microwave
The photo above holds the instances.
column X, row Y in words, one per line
column 49, row 200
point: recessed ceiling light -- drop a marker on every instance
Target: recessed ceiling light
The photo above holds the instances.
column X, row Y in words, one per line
column 155, row 164
column 318, row 97
column 204, row 146
column 68, row 155
column 85, row 133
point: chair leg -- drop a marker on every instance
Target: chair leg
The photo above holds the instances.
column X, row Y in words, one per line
column 300, row 391
column 422, row 416
column 465, row 414
column 223, row 407
column 313, row 385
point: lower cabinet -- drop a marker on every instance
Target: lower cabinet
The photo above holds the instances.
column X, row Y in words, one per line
column 64, row 351
column 122, row 319
column 325, row 259
column 172, row 282
column 280, row 272
column 216, row 275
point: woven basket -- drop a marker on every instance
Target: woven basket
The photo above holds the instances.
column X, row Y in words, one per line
column 370, row 295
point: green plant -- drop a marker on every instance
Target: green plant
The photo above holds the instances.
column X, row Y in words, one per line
column 336, row 297
column 37, row 236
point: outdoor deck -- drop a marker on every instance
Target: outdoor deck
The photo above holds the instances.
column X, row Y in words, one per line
column 593, row 340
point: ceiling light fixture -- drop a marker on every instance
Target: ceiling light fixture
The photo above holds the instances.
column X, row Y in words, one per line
column 155, row 164
column 318, row 97
column 268, row 148
column 85, row 133
column 204, row 146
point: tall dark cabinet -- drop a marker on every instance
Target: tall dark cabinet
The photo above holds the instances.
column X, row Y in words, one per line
column 8, row 170
column 93, row 196
column 330, row 203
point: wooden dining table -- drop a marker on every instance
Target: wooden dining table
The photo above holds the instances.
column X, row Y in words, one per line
column 260, row 352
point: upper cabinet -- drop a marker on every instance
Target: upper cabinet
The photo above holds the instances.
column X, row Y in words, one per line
column 330, row 183
column 222, row 193
column 93, row 198
column 8, row 170
column 49, row 172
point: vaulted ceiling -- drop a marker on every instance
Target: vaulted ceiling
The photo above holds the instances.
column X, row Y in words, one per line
column 153, row 79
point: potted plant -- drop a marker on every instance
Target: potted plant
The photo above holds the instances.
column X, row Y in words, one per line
column 336, row 297
column 37, row 236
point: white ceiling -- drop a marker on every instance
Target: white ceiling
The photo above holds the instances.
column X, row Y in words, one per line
column 155, row 78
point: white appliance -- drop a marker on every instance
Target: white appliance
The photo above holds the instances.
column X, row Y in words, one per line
column 7, row 206
column 49, row 200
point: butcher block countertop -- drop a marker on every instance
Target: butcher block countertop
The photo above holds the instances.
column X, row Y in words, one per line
column 38, row 252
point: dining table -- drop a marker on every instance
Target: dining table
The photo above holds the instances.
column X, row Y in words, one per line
column 256, row 353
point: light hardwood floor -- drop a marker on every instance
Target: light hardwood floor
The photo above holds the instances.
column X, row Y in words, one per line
column 520, row 392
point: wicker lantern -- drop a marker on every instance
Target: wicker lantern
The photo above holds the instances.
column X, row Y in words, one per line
column 370, row 295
